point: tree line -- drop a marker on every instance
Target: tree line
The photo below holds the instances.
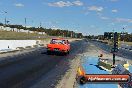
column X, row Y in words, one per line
column 48, row 31
column 123, row 36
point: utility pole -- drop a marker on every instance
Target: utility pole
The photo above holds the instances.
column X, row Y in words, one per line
column 5, row 21
column 5, row 17
column 25, row 21
column 40, row 24
column 123, row 34
column 115, row 46
column 39, row 28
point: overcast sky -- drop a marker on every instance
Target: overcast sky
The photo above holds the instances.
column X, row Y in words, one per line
column 86, row 16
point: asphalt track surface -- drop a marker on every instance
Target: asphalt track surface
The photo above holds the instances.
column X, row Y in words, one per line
column 25, row 70
column 122, row 52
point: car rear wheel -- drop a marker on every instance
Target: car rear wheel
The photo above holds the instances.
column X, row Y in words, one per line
column 65, row 53
column 68, row 52
column 48, row 52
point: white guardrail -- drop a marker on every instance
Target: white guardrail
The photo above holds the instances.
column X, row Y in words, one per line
column 123, row 46
column 10, row 45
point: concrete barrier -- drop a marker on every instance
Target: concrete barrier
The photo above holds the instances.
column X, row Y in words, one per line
column 13, row 44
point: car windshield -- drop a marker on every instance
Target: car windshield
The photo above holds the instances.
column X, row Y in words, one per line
column 54, row 41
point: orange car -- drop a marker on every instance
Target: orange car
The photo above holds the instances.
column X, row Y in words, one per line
column 58, row 45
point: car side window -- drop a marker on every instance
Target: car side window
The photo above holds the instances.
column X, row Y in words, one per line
column 65, row 42
column 52, row 42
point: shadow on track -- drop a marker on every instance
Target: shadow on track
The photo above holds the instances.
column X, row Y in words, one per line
column 98, row 67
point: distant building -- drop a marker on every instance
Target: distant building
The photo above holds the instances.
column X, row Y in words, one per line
column 79, row 35
column 108, row 35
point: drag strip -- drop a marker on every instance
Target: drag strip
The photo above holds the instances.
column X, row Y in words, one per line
column 23, row 71
column 122, row 52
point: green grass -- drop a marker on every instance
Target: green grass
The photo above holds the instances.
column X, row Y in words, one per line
column 120, row 42
column 105, row 65
column 128, row 43
column 10, row 35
